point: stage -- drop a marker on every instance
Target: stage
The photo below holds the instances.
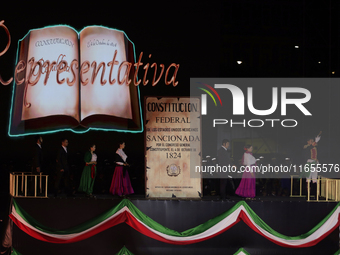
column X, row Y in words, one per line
column 287, row 216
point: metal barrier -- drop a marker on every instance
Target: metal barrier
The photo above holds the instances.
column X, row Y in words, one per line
column 17, row 179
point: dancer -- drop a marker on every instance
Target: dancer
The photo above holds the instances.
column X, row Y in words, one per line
column 311, row 157
column 121, row 184
column 89, row 173
column 247, row 187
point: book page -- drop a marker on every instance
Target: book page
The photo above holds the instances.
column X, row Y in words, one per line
column 41, row 100
column 98, row 44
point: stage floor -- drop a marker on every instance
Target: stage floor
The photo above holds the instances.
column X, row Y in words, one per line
column 288, row 216
column 233, row 198
column 230, row 199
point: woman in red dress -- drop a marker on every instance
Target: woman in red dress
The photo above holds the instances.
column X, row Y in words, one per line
column 121, row 184
column 247, row 187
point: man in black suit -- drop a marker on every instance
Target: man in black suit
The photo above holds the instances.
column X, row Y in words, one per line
column 223, row 159
column 63, row 171
column 38, row 156
column 37, row 164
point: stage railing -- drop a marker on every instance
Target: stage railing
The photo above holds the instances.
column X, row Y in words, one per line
column 326, row 188
column 329, row 188
column 20, row 179
column 291, row 186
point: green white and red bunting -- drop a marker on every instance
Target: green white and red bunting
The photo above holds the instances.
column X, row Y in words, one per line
column 15, row 252
column 241, row 251
column 126, row 212
column 123, row 251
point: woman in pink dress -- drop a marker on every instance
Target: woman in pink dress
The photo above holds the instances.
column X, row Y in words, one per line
column 247, row 187
column 121, row 184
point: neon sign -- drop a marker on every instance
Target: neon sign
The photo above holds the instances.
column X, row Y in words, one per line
column 78, row 81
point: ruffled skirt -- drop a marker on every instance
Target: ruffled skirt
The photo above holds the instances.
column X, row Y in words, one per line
column 247, row 187
column 120, row 184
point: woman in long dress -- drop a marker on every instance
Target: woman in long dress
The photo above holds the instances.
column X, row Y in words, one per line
column 247, row 187
column 121, row 184
column 89, row 173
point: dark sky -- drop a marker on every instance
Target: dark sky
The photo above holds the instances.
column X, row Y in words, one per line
column 206, row 39
column 170, row 33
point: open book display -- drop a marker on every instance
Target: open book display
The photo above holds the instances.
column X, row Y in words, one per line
column 76, row 81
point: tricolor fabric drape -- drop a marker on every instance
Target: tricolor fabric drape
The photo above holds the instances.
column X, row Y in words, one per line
column 127, row 212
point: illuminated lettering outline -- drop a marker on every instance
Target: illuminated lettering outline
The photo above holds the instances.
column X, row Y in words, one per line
column 21, row 66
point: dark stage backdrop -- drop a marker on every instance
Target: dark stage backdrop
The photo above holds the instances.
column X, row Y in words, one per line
column 271, row 38
column 206, row 39
column 167, row 33
column 288, row 218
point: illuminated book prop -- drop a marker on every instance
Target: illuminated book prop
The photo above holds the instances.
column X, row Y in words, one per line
column 76, row 81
